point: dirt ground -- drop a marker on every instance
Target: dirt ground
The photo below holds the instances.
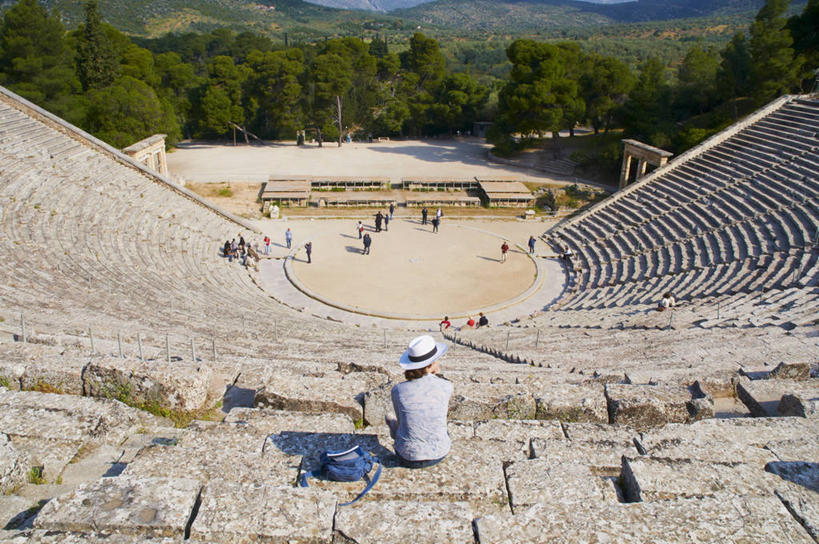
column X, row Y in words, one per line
column 240, row 198
column 410, row 269
column 209, row 169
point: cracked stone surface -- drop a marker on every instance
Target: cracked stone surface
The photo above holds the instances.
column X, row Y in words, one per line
column 62, row 537
column 151, row 507
column 275, row 421
column 13, row 467
column 399, row 522
column 803, row 504
column 709, row 520
column 233, row 512
column 70, row 418
column 205, row 464
column 551, row 481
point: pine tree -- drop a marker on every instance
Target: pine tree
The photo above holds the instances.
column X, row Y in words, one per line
column 774, row 70
column 35, row 60
column 97, row 62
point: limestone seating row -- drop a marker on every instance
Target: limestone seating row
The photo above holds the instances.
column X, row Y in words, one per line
column 684, row 355
column 113, row 176
column 563, row 482
column 733, row 198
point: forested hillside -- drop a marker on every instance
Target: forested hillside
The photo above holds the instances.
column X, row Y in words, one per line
column 204, row 85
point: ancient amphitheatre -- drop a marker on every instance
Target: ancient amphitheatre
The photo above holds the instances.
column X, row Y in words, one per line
column 153, row 392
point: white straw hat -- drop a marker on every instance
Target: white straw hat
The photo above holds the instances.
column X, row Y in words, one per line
column 422, row 352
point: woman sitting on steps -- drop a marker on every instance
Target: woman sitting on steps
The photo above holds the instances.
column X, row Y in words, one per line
column 421, row 404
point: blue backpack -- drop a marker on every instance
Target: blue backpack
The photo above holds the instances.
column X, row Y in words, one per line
column 345, row 466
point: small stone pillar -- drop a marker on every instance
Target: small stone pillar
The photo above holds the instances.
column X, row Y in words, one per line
column 645, row 155
column 150, row 152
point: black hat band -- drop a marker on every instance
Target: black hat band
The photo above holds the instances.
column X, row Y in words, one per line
column 423, row 357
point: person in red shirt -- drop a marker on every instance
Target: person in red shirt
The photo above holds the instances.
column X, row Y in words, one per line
column 267, row 245
column 445, row 324
column 504, row 249
column 470, row 323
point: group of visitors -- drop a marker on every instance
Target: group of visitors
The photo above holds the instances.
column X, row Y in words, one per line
column 241, row 252
column 381, row 218
column 436, row 221
column 667, row 302
column 483, row 321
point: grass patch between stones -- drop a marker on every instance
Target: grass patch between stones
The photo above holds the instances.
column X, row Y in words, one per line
column 35, row 476
column 123, row 392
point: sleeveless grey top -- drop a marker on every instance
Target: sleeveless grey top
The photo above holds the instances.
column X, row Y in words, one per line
column 421, row 406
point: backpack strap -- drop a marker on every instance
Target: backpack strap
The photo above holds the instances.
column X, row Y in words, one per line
column 370, row 483
column 308, row 474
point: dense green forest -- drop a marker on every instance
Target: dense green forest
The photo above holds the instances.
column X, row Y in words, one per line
column 205, row 84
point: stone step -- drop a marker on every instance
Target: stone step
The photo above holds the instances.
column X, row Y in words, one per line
column 398, row 522
column 472, row 472
column 150, row 508
column 650, row 479
column 709, row 520
column 253, row 512
column 648, row 406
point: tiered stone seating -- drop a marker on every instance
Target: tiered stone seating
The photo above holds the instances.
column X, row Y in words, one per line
column 607, row 432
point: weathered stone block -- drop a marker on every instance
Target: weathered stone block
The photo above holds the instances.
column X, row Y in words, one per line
column 378, row 404
column 10, row 374
column 797, row 449
column 488, row 401
column 603, row 434
column 101, row 419
column 49, row 453
column 799, row 405
column 548, row 481
column 518, row 431
column 399, row 522
column 650, row 479
column 13, row 466
column 181, row 386
column 716, row 382
column 790, row 371
column 153, row 507
column 337, row 394
column 648, row 406
column 763, row 397
column 709, row 520
column 572, row 403
column 55, row 425
column 55, row 374
column 235, row 512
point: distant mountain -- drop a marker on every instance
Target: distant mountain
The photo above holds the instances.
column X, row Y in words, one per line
column 391, row 5
column 531, row 15
column 370, row 5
